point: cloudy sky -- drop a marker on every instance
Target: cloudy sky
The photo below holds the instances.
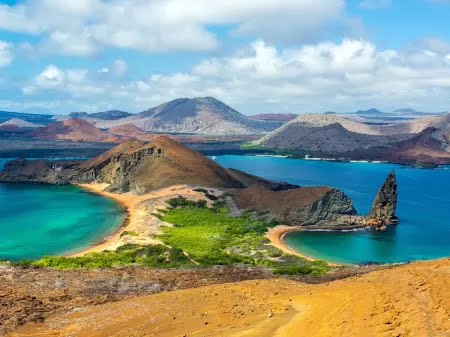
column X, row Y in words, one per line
column 258, row 56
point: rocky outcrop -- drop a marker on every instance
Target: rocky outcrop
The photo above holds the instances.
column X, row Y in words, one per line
column 385, row 203
column 299, row 206
column 319, row 207
column 39, row 171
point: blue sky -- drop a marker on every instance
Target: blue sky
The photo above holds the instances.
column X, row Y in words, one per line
column 296, row 56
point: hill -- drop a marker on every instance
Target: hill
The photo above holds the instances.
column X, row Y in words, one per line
column 129, row 131
column 139, row 167
column 202, row 116
column 337, row 136
column 71, row 129
column 19, row 123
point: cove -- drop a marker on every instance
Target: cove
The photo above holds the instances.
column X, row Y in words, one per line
column 423, row 208
column 42, row 220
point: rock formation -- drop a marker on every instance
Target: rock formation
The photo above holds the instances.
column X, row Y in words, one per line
column 299, row 206
column 385, row 203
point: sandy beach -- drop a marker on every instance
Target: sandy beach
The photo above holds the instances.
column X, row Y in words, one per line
column 140, row 221
column 275, row 235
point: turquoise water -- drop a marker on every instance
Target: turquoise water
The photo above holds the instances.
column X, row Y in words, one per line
column 423, row 208
column 39, row 220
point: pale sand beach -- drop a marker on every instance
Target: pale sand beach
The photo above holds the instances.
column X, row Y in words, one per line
column 140, row 220
column 409, row 300
column 275, row 235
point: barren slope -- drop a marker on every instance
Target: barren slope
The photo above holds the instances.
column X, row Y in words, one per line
column 412, row 300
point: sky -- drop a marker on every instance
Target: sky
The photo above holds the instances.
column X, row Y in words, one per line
column 258, row 56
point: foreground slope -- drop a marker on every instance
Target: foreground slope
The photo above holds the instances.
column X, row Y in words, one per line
column 411, row 300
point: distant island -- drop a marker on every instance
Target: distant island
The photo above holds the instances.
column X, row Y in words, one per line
column 403, row 136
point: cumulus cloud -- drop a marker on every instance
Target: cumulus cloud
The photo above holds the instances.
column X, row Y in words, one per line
column 83, row 27
column 341, row 76
column 6, row 55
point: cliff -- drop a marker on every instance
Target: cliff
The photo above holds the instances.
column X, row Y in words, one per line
column 299, row 206
column 385, row 203
column 319, row 207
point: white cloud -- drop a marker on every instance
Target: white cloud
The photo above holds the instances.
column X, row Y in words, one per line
column 435, row 44
column 50, row 78
column 83, row 27
column 6, row 55
column 341, row 76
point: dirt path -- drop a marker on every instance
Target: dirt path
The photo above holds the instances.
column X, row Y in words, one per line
column 411, row 300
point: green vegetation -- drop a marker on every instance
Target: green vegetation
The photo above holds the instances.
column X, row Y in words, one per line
column 180, row 201
column 128, row 233
column 251, row 146
column 210, row 236
column 150, row 256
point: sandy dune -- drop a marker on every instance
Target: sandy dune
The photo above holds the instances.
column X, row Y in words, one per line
column 411, row 300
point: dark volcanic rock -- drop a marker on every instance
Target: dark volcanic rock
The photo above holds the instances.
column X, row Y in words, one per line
column 385, row 203
column 299, row 206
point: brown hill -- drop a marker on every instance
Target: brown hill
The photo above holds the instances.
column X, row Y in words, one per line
column 71, row 129
column 424, row 147
column 139, row 167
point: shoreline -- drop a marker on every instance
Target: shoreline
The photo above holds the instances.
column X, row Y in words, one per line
column 276, row 235
column 139, row 222
column 112, row 241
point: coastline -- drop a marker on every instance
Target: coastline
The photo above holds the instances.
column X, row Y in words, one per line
column 139, row 221
column 276, row 234
column 129, row 203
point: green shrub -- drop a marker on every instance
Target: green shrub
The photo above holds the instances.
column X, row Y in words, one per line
column 127, row 255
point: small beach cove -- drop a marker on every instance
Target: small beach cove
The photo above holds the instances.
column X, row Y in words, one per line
column 422, row 234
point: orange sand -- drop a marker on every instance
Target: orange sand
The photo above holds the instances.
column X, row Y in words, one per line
column 411, row 300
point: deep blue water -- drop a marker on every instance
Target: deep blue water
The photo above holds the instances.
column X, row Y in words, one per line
column 38, row 220
column 423, row 208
